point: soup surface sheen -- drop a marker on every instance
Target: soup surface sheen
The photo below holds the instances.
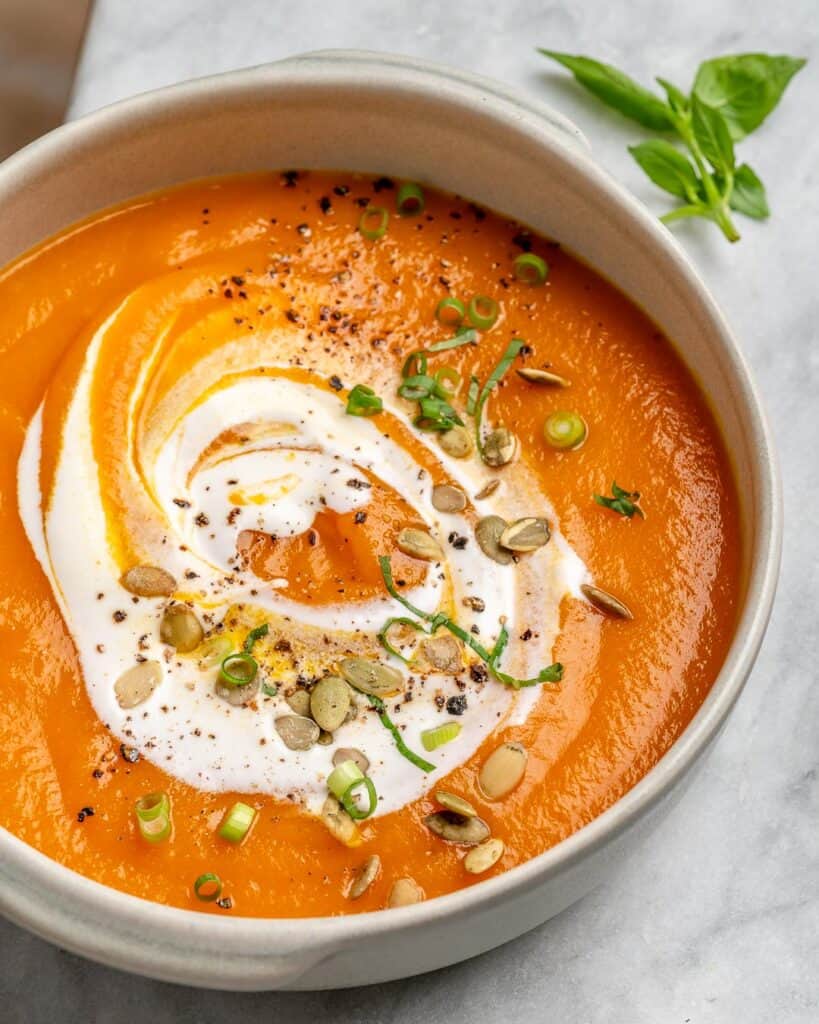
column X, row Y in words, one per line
column 180, row 393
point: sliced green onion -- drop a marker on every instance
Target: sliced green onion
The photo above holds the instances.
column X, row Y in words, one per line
column 564, row 430
column 410, row 199
column 253, row 636
column 351, row 807
column 363, row 401
column 153, row 815
column 441, row 734
column 237, row 822
column 390, row 726
column 483, row 312
column 238, row 669
column 451, row 374
column 383, row 634
column 450, row 311
column 436, row 414
column 373, row 222
column 208, row 887
column 531, row 269
column 342, row 777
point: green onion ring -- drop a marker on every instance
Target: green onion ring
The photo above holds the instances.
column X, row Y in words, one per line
column 531, row 269
column 431, row 739
column 373, row 223
column 451, row 374
column 410, row 199
column 236, row 823
column 363, row 401
column 238, row 669
column 342, row 777
column 203, row 882
column 483, row 312
column 153, row 815
column 565, row 430
column 350, row 805
column 450, row 311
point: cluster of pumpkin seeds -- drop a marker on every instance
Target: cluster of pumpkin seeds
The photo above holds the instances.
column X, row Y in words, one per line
column 502, row 541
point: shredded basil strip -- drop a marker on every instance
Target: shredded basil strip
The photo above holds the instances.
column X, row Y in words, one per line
column 551, row 674
column 506, row 360
column 253, row 636
column 388, row 724
column 383, row 634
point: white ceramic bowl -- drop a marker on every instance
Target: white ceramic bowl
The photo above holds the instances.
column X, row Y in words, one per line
column 371, row 112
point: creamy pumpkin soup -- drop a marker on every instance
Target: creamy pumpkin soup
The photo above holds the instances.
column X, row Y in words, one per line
column 357, row 544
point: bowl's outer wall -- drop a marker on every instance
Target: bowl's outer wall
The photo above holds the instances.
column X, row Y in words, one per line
column 377, row 114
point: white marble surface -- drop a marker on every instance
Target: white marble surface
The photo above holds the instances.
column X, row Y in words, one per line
column 716, row 920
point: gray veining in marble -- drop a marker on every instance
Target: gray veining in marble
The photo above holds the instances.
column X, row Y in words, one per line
column 716, row 920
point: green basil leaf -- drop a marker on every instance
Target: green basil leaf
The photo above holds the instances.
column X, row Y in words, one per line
column 748, row 196
column 745, row 88
column 617, row 90
column 667, row 167
column 677, row 99
column 712, row 135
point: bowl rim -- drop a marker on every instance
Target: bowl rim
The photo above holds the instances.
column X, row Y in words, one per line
column 43, row 878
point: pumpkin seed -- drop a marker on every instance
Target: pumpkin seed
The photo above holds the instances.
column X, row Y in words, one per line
column 606, row 603
column 148, row 581
column 351, row 754
column 325, row 738
column 543, row 377
column 371, row 677
column 330, row 702
column 238, row 696
column 136, row 684
column 484, row 856
column 488, row 489
column 525, row 534
column 339, row 823
column 457, row 442
column 457, row 828
column 488, row 533
column 446, row 498
column 499, row 447
column 503, row 770
column 443, row 653
column 419, row 544
column 296, row 731
column 455, row 803
column 299, row 702
column 477, row 604
column 365, row 876
column 405, row 892
column 180, row 628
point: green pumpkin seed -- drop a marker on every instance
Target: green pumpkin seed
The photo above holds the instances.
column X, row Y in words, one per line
column 443, row 653
column 238, row 696
column 503, row 770
column 419, row 544
column 365, row 876
column 484, row 856
column 148, row 581
column 325, row 739
column 339, row 823
column 457, row 442
column 488, row 489
column 299, row 703
column 446, row 498
column 455, row 803
column 457, row 828
column 525, row 534
column 330, row 702
column 499, row 447
column 351, row 754
column 371, row 677
column 297, row 732
column 488, row 533
column 535, row 376
column 136, row 684
column 606, row 603
column 181, row 629
column 405, row 892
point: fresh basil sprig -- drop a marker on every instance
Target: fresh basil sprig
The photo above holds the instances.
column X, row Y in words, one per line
column 730, row 98
column 624, row 503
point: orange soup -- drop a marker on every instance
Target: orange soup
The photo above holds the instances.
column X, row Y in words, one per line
column 357, row 544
